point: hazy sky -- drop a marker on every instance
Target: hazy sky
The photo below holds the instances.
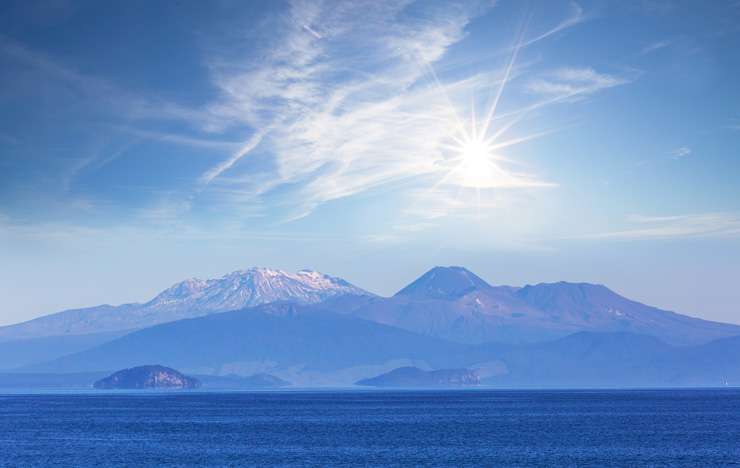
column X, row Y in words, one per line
column 144, row 142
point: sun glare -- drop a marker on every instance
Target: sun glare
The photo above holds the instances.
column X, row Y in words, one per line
column 475, row 163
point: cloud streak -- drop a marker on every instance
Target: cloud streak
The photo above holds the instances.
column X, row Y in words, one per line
column 121, row 102
column 571, row 82
column 576, row 17
column 655, row 46
column 704, row 225
column 681, row 152
column 326, row 123
column 342, row 124
column 337, row 123
column 218, row 169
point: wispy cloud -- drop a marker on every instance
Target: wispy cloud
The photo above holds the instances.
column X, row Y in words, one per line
column 101, row 92
column 655, row 46
column 326, row 122
column 684, row 226
column 184, row 140
column 338, row 124
column 342, row 124
column 572, row 82
column 577, row 16
column 218, row 169
column 680, row 152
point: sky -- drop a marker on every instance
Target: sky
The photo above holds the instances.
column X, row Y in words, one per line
column 142, row 143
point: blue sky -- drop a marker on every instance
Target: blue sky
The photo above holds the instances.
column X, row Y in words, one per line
column 145, row 142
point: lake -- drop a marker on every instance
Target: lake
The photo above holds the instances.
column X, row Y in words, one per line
column 389, row 428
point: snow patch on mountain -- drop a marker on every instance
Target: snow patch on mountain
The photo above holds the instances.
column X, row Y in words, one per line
column 254, row 286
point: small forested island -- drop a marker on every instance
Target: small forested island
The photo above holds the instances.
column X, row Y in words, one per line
column 147, row 377
column 415, row 377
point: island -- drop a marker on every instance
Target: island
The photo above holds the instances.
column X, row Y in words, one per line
column 147, row 377
column 413, row 377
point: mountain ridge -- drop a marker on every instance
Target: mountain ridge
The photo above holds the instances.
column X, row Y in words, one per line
column 190, row 298
column 444, row 283
column 293, row 342
column 449, row 303
column 319, row 348
column 455, row 304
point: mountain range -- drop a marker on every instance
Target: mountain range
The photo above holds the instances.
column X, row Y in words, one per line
column 310, row 346
column 306, row 345
column 187, row 299
column 454, row 304
column 313, row 329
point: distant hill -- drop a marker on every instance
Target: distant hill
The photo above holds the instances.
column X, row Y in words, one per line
column 413, row 377
column 310, row 328
column 454, row 304
column 234, row 382
column 584, row 359
column 147, row 377
column 18, row 353
column 301, row 344
column 35, row 381
column 309, row 347
column 594, row 307
column 448, row 283
column 617, row 359
column 187, row 299
column 85, row 380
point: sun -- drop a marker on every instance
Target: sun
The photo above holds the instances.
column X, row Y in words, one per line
column 472, row 163
column 472, row 154
column 475, row 163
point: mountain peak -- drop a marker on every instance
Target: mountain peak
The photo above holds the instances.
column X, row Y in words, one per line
column 187, row 288
column 448, row 283
column 256, row 271
column 563, row 290
column 253, row 286
column 585, row 301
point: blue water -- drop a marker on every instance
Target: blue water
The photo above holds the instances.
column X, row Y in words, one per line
column 455, row 428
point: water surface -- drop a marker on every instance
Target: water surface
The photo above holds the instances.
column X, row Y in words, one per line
column 390, row 428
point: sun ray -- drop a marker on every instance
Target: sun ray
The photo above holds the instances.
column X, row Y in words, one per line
column 516, row 141
column 507, row 75
column 460, row 126
column 469, row 153
column 473, row 125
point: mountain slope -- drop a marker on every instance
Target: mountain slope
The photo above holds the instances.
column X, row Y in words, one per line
column 313, row 347
column 449, row 303
column 597, row 308
column 301, row 344
column 190, row 298
column 414, row 377
column 585, row 359
column 455, row 304
column 17, row 353
column 617, row 359
column 447, row 283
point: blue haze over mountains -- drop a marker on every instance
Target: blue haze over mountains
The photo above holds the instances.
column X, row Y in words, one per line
column 313, row 329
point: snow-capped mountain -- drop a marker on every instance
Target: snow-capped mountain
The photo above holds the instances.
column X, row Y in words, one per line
column 252, row 287
column 450, row 303
column 191, row 298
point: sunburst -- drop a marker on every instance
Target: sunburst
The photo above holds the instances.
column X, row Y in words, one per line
column 473, row 153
